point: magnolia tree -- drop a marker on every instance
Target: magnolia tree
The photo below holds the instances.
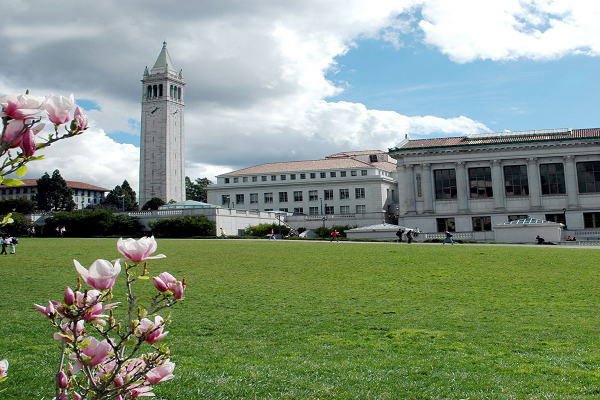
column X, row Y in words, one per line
column 99, row 355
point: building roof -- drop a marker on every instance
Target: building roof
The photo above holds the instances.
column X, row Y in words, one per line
column 163, row 62
column 483, row 139
column 187, row 204
column 71, row 184
column 310, row 165
column 346, row 154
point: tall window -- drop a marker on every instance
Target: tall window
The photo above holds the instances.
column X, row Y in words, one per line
column 282, row 177
column 373, row 158
column 445, row 224
column 273, row 177
column 516, row 217
column 239, row 199
column 268, row 197
column 328, row 194
column 332, row 174
column 255, row 179
column 323, row 174
column 343, row 174
column 292, row 177
column 363, row 172
column 361, row 209
column 302, row 176
column 299, row 210
column 225, row 199
column 313, row 195
column 313, row 210
column 359, row 193
column 588, row 176
column 329, row 210
column 515, row 180
column 552, row 177
column 559, row 218
column 591, row 220
column 353, row 173
column 253, row 198
column 344, row 194
column 482, row 224
column 283, row 197
column 480, row 182
column 313, row 175
column 298, row 195
column 445, row 183
column 345, row 210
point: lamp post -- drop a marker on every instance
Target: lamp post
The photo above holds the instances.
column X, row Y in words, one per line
column 565, row 216
column 324, row 219
column 122, row 202
column 279, row 220
column 320, row 198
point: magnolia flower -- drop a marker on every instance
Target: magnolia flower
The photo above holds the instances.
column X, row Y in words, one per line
column 152, row 331
column 160, row 374
column 63, row 381
column 97, row 351
column 67, row 333
column 48, row 311
column 21, row 106
column 19, row 130
column 164, row 282
column 3, row 368
column 69, row 296
column 79, row 122
column 58, row 108
column 101, row 275
column 138, row 250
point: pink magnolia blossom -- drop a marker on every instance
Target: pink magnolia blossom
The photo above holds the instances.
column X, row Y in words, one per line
column 63, row 381
column 76, row 396
column 165, row 280
column 58, row 108
column 48, row 311
column 17, row 131
column 3, row 368
column 96, row 350
column 21, row 106
column 69, row 296
column 140, row 391
column 161, row 374
column 178, row 292
column 138, row 250
column 101, row 275
column 70, row 333
column 152, row 330
column 79, row 122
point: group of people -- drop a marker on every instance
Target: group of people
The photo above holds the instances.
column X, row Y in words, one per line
column 410, row 234
column 60, row 231
column 8, row 241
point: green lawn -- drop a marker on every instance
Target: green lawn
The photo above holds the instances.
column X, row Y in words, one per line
column 320, row 320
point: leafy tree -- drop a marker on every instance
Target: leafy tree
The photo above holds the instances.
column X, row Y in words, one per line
column 325, row 232
column 264, row 229
column 122, row 196
column 186, row 226
column 196, row 190
column 19, row 225
column 20, row 205
column 92, row 223
column 153, row 204
column 53, row 193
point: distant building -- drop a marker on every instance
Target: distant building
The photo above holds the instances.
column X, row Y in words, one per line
column 162, row 144
column 84, row 194
column 472, row 183
column 343, row 187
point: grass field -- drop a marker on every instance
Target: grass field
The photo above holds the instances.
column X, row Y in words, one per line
column 320, row 320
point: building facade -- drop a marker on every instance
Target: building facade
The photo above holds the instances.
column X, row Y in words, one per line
column 84, row 194
column 470, row 184
column 162, row 143
column 342, row 185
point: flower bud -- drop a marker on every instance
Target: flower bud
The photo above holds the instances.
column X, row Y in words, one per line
column 69, row 296
column 63, row 381
column 179, row 291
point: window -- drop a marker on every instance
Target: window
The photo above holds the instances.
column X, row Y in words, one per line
column 313, row 175
column 329, row 210
column 345, row 210
column 328, row 194
column 236, row 180
column 359, row 193
column 298, row 195
column 273, row 178
column 323, row 174
column 445, row 184
column 225, row 199
column 344, row 194
column 292, row 177
column 588, row 176
column 226, row 180
column 313, row 210
column 363, row 172
column 255, row 179
column 480, row 182
column 515, row 180
column 445, row 224
column 481, row 224
column 313, row 195
column 361, row 209
column 253, row 198
column 353, row 173
column 516, row 217
column 239, row 199
column 552, row 178
column 282, row 177
column 268, row 197
column 342, row 174
column 591, row 220
column 283, row 209
column 245, row 179
column 373, row 158
column 299, row 210
column 263, row 178
column 283, row 197
column 559, row 218
column 302, row 176
column 332, row 174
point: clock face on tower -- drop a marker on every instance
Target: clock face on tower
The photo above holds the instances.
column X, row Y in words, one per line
column 153, row 111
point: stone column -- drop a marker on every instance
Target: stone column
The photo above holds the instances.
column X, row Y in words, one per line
column 462, row 189
column 571, row 182
column 535, row 192
column 409, row 188
column 427, row 192
column 498, row 185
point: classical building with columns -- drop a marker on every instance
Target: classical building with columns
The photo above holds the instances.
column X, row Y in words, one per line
column 472, row 183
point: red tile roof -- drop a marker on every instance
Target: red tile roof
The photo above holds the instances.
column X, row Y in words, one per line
column 498, row 138
column 298, row 166
column 71, row 184
column 355, row 153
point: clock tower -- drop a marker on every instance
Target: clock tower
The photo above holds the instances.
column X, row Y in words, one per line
column 162, row 144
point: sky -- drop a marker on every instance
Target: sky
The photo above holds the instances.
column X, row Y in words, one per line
column 282, row 80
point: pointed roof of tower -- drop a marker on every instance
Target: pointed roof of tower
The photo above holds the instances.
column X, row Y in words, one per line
column 163, row 62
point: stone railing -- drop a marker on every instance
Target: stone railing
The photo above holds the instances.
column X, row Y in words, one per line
column 455, row 235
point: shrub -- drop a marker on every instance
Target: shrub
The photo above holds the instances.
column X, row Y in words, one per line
column 92, row 223
column 186, row 226
column 264, row 229
column 325, row 232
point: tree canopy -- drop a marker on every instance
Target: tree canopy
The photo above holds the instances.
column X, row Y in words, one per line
column 122, row 197
column 196, row 190
column 53, row 193
column 153, row 204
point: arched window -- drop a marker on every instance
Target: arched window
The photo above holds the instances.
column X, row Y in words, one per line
column 160, row 90
column 154, row 91
column 171, row 91
column 179, row 94
column 149, row 91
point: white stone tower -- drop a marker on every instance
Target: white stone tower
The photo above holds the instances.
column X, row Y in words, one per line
column 162, row 145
